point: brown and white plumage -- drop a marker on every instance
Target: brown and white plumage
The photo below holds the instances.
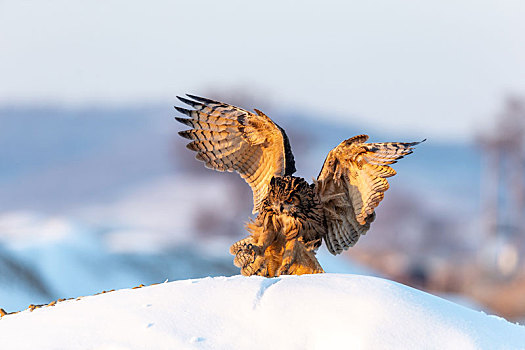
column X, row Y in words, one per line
column 228, row 138
column 352, row 183
column 293, row 216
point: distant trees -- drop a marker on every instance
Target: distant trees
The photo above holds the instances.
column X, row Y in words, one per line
column 503, row 182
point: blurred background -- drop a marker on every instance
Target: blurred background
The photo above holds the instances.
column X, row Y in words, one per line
column 97, row 190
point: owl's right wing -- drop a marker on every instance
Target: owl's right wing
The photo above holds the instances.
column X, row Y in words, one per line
column 229, row 138
column 351, row 185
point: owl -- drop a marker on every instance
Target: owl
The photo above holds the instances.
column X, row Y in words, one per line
column 293, row 217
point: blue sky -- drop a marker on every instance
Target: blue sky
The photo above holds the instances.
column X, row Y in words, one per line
column 432, row 68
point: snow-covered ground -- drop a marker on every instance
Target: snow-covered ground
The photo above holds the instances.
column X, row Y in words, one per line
column 328, row 311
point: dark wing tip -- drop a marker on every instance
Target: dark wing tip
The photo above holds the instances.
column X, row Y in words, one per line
column 183, row 110
column 356, row 139
column 186, row 134
column 182, row 99
column 259, row 113
column 202, row 99
column 189, row 102
column 184, row 121
column 194, row 146
column 412, row 144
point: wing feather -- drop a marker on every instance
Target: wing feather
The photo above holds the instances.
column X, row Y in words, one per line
column 229, row 138
column 352, row 183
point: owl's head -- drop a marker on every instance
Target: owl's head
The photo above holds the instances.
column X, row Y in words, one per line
column 289, row 195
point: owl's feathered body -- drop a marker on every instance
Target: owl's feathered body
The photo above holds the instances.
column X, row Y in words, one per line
column 286, row 233
column 293, row 216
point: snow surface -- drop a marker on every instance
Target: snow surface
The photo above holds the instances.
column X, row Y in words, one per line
column 324, row 311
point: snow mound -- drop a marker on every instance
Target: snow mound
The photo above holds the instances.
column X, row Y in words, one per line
column 294, row 312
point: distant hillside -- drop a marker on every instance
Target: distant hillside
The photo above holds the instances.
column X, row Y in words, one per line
column 56, row 158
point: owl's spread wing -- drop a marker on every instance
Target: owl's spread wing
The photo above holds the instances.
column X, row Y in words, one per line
column 351, row 184
column 228, row 138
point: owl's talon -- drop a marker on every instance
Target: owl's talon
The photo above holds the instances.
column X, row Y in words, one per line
column 254, row 248
column 285, row 269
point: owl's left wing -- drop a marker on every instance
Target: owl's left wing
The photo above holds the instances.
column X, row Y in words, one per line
column 229, row 138
column 351, row 185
